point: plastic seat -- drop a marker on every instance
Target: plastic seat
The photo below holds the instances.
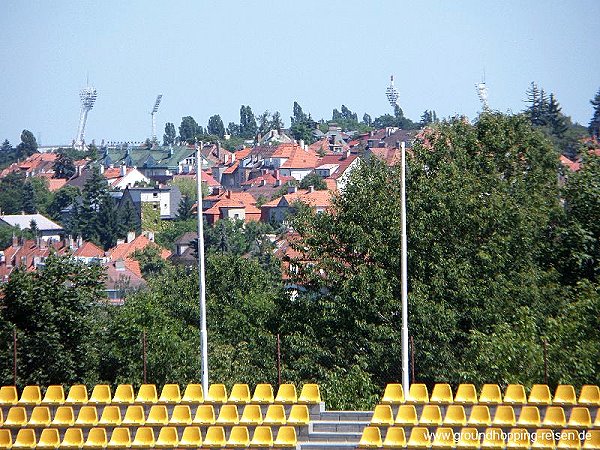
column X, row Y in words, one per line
column 431, row 416
column 72, row 439
column 592, row 440
column 134, row 416
column 395, row 438
column 580, row 417
column 554, row 417
column 263, row 394
column 147, row 394
column 252, row 415
column 443, row 438
column 239, row 437
column 275, row 415
column 529, row 417
column 8, row 396
column 16, row 417
column 158, row 416
column 382, row 416
column 217, row 393
column 466, row 394
column 167, row 438
column 64, row 417
column 490, row 394
column 370, row 438
column 111, row 416
column 393, row 394
column 286, row 394
column 480, row 416
column 181, row 415
column 25, row 438
column 193, row 394
column 407, row 415
column 100, row 395
column 77, row 395
column 40, row 417
column 310, row 394
column 205, row 415
column 518, row 438
column 49, row 438
column 31, row 395
column 589, row 395
column 5, row 439
column 299, row 415
column 215, row 437
column 228, row 415
column 540, row 395
column 144, row 438
column 468, row 439
column 543, row 438
column 170, row 394
column 504, row 416
column 120, row 438
column 96, row 438
column 54, row 396
column 286, row 438
column 455, row 416
column 417, row 393
column 190, row 438
column 564, row 395
column 515, row 394
column 441, row 394
column 87, row 417
column 493, row 439
column 263, row 437
column 597, row 421
column 123, row 395
column 419, row 438
column 569, row 439
column 240, row 394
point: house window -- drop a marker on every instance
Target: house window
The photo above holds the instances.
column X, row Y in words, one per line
column 155, row 194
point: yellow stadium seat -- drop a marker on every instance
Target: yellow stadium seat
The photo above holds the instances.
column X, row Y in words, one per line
column 569, row 439
column 181, row 416
column 123, row 395
column 419, row 438
column 96, row 438
column 540, row 395
column 72, row 439
column 417, row 393
column 54, row 396
column 87, row 417
column 215, row 437
column 441, row 394
column 49, row 439
column 455, row 416
column 263, row 437
column 382, row 416
column 395, row 438
column 592, row 440
column 468, row 439
column 263, row 394
column 490, row 394
column 480, row 416
column 158, row 416
column 25, row 438
column 228, row 415
column 493, row 439
column 31, row 395
column 310, row 394
column 580, row 417
column 564, row 395
column 554, row 417
column 120, row 438
column 514, row 394
column 64, row 417
column 393, row 394
column 370, row 438
column 239, row 437
column 170, row 394
column 286, row 438
column 589, row 395
column 191, row 438
column 205, row 415
column 8, row 396
column 443, row 438
column 597, row 421
column 134, row 416
column 407, row 416
column 167, row 438
column 217, row 393
column 1, row 417
column 543, row 438
column 286, row 394
column 77, row 395
column 40, row 417
column 529, row 417
column 144, row 438
column 16, row 417
column 111, row 416
column 252, row 415
column 240, row 394
column 100, row 395
column 5, row 439
column 147, row 394
column 275, row 415
column 193, row 394
column 504, row 416
column 466, row 394
column 299, row 415
column 431, row 415
column 518, row 438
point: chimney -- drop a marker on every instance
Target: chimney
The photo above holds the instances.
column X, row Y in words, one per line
column 397, row 144
column 15, row 240
column 225, row 158
column 101, row 168
column 130, row 236
column 151, row 236
column 311, row 189
column 263, row 182
column 277, row 174
column 123, row 170
column 219, row 150
column 347, row 154
column 292, row 189
column 301, row 143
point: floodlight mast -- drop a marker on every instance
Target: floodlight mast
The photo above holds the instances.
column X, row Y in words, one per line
column 482, row 93
column 153, row 114
column 87, row 97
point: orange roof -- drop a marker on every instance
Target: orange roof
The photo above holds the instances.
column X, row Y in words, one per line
column 232, row 168
column 243, row 197
column 240, row 154
column 301, row 159
column 284, row 150
column 89, row 250
column 314, row 198
column 54, row 184
column 122, row 251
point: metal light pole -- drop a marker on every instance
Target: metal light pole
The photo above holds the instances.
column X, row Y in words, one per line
column 405, row 382
column 201, row 280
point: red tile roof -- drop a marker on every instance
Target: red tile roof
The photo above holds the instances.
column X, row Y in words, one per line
column 122, row 251
column 315, row 198
column 301, row 159
column 89, row 250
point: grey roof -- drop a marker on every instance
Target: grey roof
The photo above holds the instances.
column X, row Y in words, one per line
column 168, row 157
column 23, row 221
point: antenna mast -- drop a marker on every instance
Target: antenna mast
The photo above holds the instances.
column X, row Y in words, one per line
column 153, row 114
column 391, row 93
column 87, row 97
column 482, row 93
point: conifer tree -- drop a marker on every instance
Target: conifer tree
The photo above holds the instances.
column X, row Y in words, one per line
column 594, row 127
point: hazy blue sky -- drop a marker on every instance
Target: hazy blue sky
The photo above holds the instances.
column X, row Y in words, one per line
column 210, row 57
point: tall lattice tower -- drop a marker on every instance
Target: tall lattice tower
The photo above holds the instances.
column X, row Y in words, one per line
column 391, row 93
column 88, row 97
column 153, row 114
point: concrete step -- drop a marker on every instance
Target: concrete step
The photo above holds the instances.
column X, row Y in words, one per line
column 323, row 445
column 339, row 426
column 324, row 436
column 345, row 416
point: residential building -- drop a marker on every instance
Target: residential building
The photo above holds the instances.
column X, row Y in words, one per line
column 279, row 209
column 46, row 229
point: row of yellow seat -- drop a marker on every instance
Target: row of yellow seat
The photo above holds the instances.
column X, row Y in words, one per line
column 168, row 437
column 470, row 438
column 181, row 415
column 529, row 416
column 490, row 394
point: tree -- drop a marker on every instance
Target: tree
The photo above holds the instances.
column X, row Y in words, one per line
column 276, row 122
column 28, row 145
column 63, row 167
column 302, row 125
column 129, row 218
column 62, row 198
column 215, row 126
column 233, row 129
column 184, row 211
column 367, row 119
column 248, row 127
column 170, row 134
column 6, row 147
column 594, row 127
column 427, row 118
column 29, row 199
column 556, row 120
column 314, row 180
column 188, row 129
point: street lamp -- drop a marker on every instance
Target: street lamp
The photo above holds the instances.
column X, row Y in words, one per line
column 201, row 273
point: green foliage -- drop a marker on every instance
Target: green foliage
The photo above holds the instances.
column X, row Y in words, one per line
column 248, row 127
column 215, row 126
column 594, row 126
column 61, row 199
column 170, row 134
column 312, row 179
column 189, row 129
column 302, row 125
column 184, row 211
column 29, row 200
column 63, row 167
column 151, row 263
column 28, row 145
